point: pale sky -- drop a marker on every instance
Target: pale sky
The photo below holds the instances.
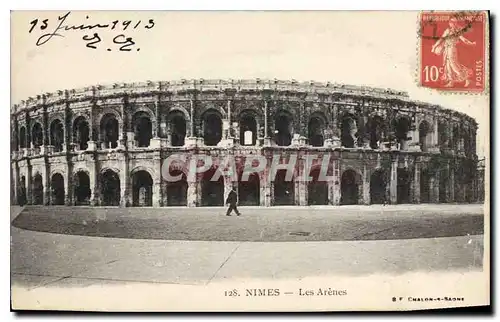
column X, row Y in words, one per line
column 377, row 49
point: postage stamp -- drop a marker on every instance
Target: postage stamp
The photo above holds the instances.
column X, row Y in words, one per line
column 154, row 168
column 453, row 50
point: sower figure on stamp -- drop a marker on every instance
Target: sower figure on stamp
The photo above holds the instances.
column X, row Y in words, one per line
column 232, row 200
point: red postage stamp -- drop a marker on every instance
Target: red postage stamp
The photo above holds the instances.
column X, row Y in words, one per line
column 453, row 50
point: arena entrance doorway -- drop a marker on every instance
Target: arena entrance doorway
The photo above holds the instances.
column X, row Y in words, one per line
column 317, row 190
column 57, row 185
column 212, row 192
column 403, row 186
column 82, row 189
column 142, row 189
column 284, row 192
column 110, row 188
column 249, row 190
column 37, row 190
column 378, row 186
column 349, row 188
column 177, row 190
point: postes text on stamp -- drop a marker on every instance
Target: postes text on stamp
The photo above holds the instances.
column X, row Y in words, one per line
column 452, row 52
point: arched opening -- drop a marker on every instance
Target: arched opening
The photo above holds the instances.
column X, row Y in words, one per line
column 443, row 136
column 284, row 191
column 315, row 129
column 21, row 197
column 177, row 190
column 378, row 186
column 402, row 127
column 37, row 135
column 22, row 137
column 212, row 191
column 317, row 189
column 143, row 129
column 110, row 188
column 349, row 131
column 37, row 190
column 425, row 196
column 81, row 133
column 403, row 185
column 212, row 128
column 443, row 185
column 377, row 130
column 57, row 135
column 283, row 129
column 177, row 124
column 423, row 135
column 349, row 188
column 249, row 190
column 81, row 188
column 142, row 189
column 109, row 131
column 248, row 130
column 57, row 185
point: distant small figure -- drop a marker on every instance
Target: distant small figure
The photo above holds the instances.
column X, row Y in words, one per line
column 232, row 200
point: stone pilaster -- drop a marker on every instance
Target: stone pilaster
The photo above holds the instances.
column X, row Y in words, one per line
column 46, row 184
column 416, row 182
column 192, row 193
column 366, row 186
column 334, row 184
column 393, row 186
column 450, row 195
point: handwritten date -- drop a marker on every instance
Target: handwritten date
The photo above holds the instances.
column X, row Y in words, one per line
column 59, row 27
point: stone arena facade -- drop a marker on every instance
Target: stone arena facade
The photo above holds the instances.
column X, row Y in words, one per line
column 105, row 145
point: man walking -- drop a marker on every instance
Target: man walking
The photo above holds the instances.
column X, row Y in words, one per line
column 232, row 200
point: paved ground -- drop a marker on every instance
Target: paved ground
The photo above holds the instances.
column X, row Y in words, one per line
column 256, row 224
column 40, row 259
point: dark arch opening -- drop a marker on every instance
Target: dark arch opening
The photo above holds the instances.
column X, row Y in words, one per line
column 143, row 128
column 212, row 128
column 37, row 190
column 454, row 143
column 349, row 131
column 57, row 185
column 81, row 133
column 22, row 138
column 37, row 135
column 284, row 191
column 403, row 185
column 283, row 130
column 177, row 124
column 424, row 186
column 402, row 127
column 110, row 188
column 377, row 131
column 22, row 199
column 212, row 192
column 378, row 186
column 82, row 188
column 248, row 130
column 249, row 190
column 109, row 131
column 57, row 135
column 142, row 189
column 317, row 189
column 315, row 130
column 177, row 190
column 349, row 188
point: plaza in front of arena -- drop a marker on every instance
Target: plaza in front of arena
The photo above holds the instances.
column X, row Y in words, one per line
column 92, row 246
